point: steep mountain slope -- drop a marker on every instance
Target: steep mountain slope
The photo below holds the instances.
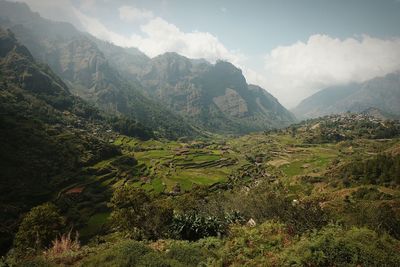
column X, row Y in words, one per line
column 47, row 134
column 76, row 58
column 216, row 96
column 128, row 61
column 382, row 93
column 181, row 83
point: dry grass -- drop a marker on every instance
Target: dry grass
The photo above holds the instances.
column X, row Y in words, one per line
column 63, row 244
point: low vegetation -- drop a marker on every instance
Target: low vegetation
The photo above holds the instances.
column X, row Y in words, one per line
column 278, row 201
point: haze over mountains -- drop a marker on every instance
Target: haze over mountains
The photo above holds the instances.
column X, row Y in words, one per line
column 381, row 93
column 193, row 93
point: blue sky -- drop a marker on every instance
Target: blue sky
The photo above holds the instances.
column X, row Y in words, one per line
column 292, row 48
column 254, row 26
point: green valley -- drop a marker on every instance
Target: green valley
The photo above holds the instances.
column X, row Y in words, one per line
column 287, row 186
column 167, row 155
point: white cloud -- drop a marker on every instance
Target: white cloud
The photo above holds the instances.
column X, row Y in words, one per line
column 60, row 10
column 158, row 36
column 96, row 28
column 87, row 4
column 130, row 14
column 291, row 72
column 299, row 70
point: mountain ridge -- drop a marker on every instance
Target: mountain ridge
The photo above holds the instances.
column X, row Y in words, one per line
column 216, row 96
column 75, row 57
column 382, row 93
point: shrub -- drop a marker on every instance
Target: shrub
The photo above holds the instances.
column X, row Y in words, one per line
column 39, row 227
column 187, row 254
column 379, row 169
column 38, row 262
column 137, row 215
column 193, row 226
column 255, row 246
column 156, row 259
column 124, row 254
column 272, row 202
column 335, row 246
column 134, row 253
column 380, row 217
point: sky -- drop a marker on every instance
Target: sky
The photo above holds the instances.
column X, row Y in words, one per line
column 292, row 48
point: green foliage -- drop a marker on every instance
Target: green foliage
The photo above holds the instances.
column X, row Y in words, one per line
column 136, row 214
column 255, row 246
column 370, row 193
column 126, row 253
column 39, row 227
column 335, row 246
column 155, row 259
column 266, row 202
column 380, row 169
column 38, row 262
column 134, row 253
column 131, row 128
column 47, row 135
column 193, row 226
column 381, row 217
column 336, row 128
column 187, row 254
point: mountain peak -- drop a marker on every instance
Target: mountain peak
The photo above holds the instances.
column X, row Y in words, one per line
column 223, row 65
column 8, row 43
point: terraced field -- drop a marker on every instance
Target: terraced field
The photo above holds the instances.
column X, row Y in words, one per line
column 175, row 165
column 170, row 167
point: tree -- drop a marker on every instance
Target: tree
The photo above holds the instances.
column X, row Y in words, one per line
column 136, row 214
column 39, row 227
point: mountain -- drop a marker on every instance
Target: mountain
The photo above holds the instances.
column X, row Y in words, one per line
column 215, row 96
column 168, row 93
column 47, row 134
column 128, row 61
column 382, row 93
column 379, row 114
column 77, row 59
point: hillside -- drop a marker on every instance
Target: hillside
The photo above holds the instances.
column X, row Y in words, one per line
column 47, row 134
column 215, row 96
column 76, row 58
column 381, row 93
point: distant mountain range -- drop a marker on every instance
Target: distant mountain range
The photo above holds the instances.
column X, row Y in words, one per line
column 380, row 93
column 172, row 95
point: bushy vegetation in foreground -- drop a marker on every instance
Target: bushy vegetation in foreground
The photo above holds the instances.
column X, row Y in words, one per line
column 194, row 229
column 267, row 244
